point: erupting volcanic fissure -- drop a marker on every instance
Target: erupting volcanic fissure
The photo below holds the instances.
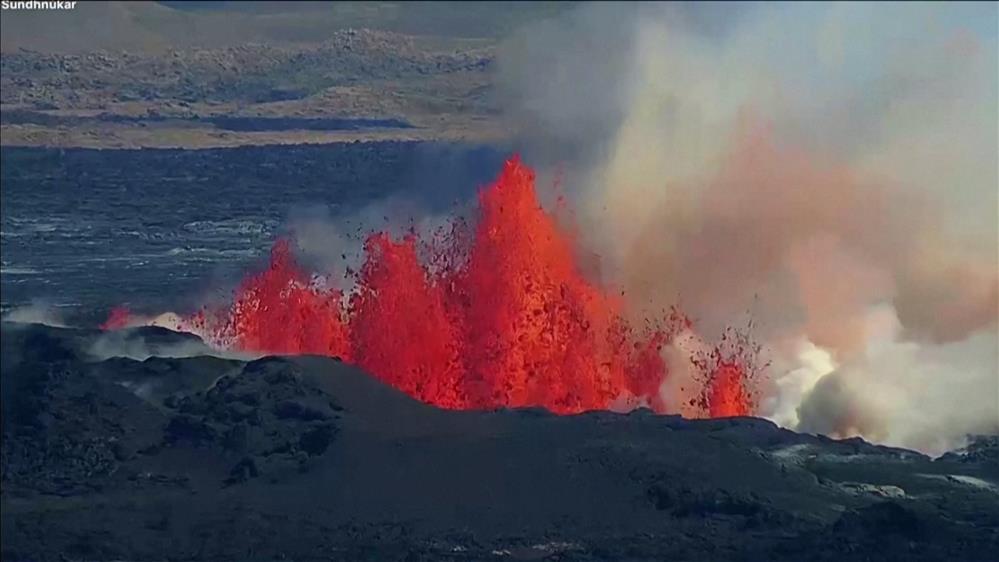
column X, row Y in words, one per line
column 492, row 314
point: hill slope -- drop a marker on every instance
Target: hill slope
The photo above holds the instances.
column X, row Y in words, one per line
column 172, row 454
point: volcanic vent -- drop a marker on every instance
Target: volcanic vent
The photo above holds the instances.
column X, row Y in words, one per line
column 492, row 312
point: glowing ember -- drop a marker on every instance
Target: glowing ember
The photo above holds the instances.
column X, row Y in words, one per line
column 500, row 317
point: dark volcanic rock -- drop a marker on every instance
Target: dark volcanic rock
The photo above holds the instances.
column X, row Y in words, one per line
column 882, row 521
column 308, row 458
column 149, row 341
column 65, row 431
column 981, row 449
column 266, row 413
column 165, row 380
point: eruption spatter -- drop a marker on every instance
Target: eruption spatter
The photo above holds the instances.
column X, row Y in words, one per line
column 498, row 315
column 281, row 310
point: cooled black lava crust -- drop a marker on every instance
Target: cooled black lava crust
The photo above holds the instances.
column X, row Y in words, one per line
column 307, row 458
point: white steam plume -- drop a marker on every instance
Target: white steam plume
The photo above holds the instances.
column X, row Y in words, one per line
column 824, row 164
column 38, row 312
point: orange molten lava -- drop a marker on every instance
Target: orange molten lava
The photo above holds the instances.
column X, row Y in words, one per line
column 280, row 311
column 727, row 394
column 498, row 317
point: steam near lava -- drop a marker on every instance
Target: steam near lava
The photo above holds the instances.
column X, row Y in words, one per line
column 832, row 169
column 38, row 312
column 487, row 313
column 826, row 172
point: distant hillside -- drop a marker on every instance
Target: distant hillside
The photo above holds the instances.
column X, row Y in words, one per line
column 250, row 73
column 338, row 89
column 155, row 26
column 131, row 74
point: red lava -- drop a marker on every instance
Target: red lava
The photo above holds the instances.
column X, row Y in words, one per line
column 499, row 315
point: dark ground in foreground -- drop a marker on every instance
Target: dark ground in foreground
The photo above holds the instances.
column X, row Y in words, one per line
column 107, row 457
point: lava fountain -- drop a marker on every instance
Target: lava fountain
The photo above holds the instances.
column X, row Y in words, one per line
column 494, row 313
